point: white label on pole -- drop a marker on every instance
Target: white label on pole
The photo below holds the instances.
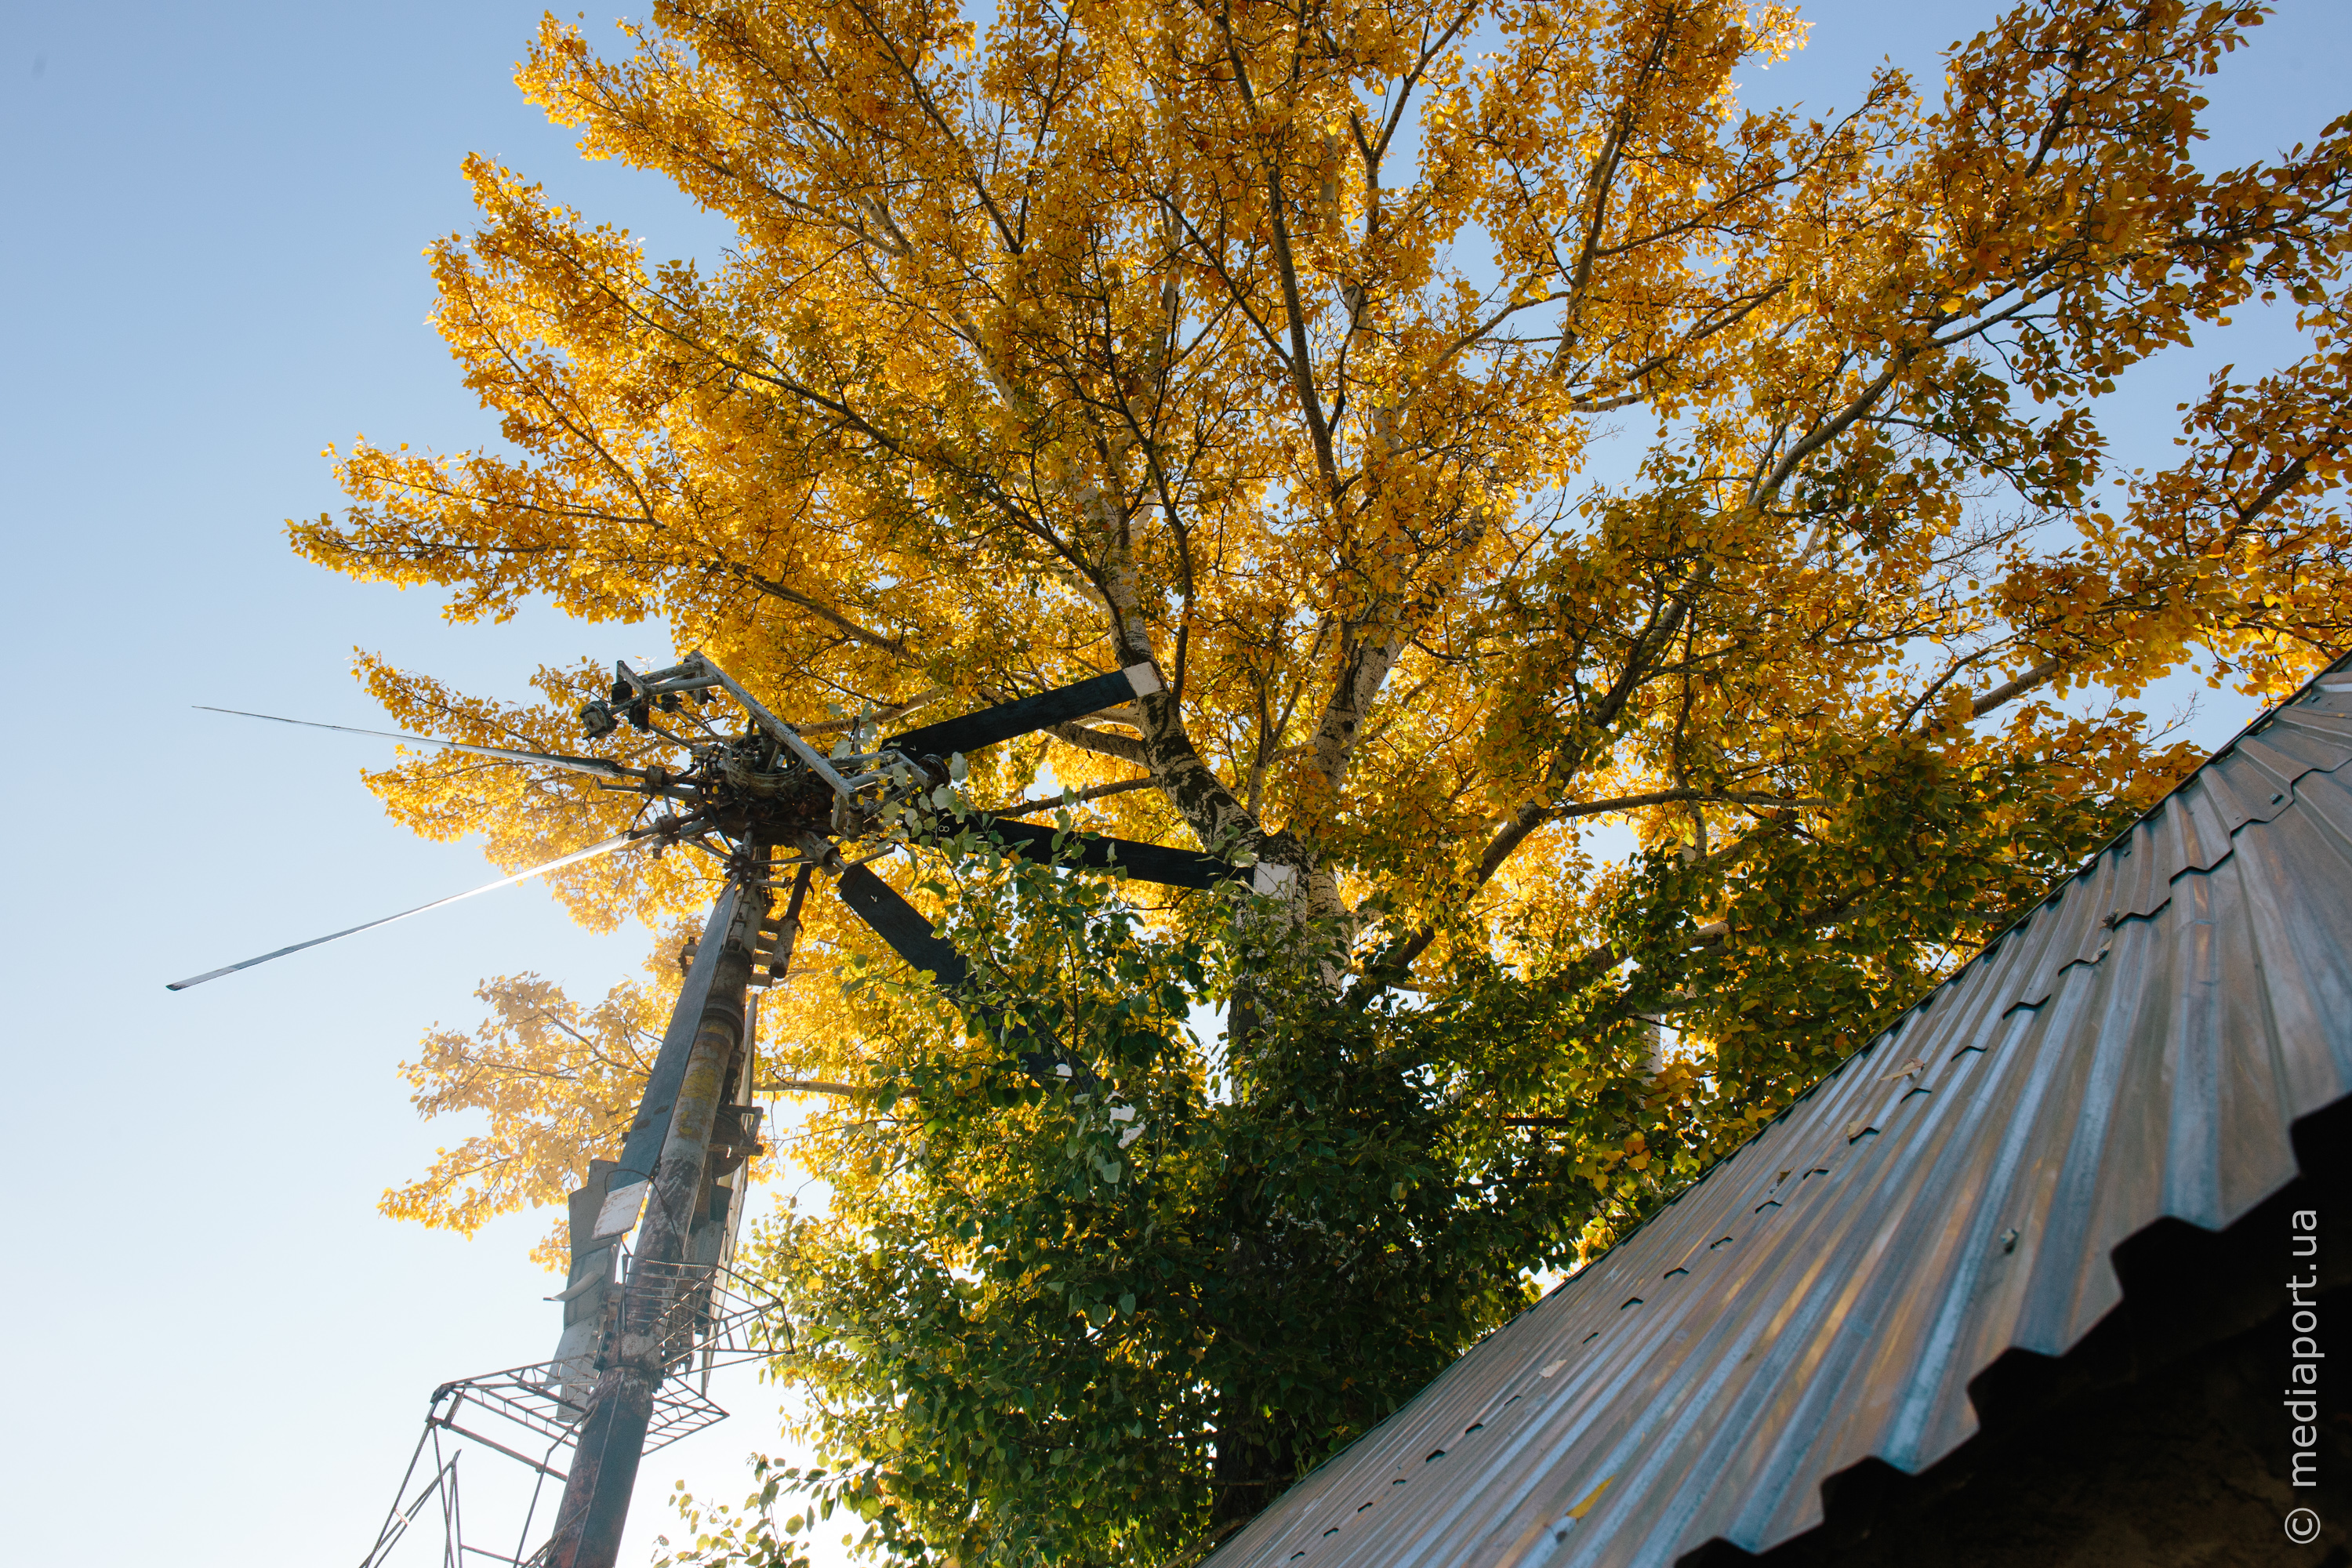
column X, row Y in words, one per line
column 621, row 1206
column 1271, row 879
column 1142, row 679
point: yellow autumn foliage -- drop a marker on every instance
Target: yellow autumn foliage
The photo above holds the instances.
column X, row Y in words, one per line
column 1270, row 344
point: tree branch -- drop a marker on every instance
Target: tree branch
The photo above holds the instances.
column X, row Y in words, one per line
column 811, row 1086
column 1096, row 791
column 2038, row 675
column 1562, row 811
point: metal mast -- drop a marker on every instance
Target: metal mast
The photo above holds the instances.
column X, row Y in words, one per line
column 742, row 797
column 671, row 1187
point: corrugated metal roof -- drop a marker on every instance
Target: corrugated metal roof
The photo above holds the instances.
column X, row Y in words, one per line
column 2137, row 1047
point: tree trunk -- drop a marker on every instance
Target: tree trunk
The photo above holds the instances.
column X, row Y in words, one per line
column 1252, row 1469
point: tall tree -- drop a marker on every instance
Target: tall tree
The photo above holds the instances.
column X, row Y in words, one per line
column 1267, row 342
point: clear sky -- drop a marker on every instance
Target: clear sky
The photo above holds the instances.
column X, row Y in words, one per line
column 210, row 221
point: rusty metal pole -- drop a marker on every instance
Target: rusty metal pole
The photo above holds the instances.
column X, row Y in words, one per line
column 611, row 1438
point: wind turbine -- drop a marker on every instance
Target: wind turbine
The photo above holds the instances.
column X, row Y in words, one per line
column 765, row 801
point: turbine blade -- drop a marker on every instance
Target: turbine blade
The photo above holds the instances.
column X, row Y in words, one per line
column 596, row 766
column 902, row 925
column 1007, row 720
column 914, row 939
column 557, row 864
column 1144, row 862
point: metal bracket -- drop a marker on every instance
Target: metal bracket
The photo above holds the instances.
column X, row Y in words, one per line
column 705, row 671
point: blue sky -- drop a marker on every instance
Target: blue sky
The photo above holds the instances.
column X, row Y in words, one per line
column 212, row 224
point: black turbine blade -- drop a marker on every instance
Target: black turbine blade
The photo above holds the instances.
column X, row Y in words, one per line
column 1144, row 862
column 902, row 925
column 596, row 766
column 914, row 939
column 1006, row 719
column 557, row 864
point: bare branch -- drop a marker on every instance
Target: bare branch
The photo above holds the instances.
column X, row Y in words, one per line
column 1565, row 810
column 2037, row 676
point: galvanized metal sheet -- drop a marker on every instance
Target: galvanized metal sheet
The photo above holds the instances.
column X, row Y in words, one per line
column 2137, row 1047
